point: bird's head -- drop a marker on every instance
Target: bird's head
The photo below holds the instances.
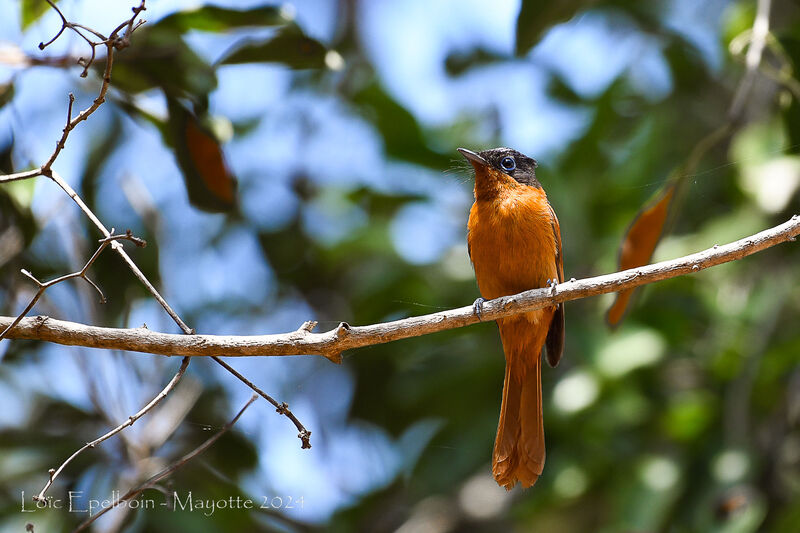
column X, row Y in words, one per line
column 499, row 169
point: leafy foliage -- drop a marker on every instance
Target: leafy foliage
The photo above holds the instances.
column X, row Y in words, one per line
column 345, row 208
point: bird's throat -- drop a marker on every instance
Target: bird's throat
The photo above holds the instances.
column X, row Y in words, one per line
column 491, row 184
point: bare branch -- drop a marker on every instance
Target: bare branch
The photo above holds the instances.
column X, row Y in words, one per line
column 117, row 248
column 280, row 408
column 130, row 26
column 304, row 434
column 171, row 468
column 64, row 25
column 78, row 274
column 96, row 33
column 758, row 38
column 24, row 175
column 86, row 113
column 129, row 422
column 111, row 42
column 332, row 343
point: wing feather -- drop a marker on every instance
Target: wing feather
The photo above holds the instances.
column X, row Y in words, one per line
column 555, row 335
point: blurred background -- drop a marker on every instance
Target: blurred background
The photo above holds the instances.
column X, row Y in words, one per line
column 298, row 162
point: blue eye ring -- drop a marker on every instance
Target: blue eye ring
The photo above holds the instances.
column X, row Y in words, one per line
column 508, row 163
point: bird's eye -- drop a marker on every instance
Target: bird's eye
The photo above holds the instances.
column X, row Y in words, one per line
column 508, row 163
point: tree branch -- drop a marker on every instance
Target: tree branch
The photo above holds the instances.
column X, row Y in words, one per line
column 281, row 408
column 43, row 286
column 171, row 468
column 332, row 343
column 24, row 175
column 113, row 42
column 129, row 422
column 757, row 38
column 121, row 251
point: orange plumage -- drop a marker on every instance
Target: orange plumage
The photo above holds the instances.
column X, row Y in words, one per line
column 515, row 245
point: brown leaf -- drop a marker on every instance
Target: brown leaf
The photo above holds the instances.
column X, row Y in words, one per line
column 639, row 243
column 208, row 159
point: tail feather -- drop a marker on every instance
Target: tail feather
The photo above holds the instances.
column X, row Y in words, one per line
column 519, row 450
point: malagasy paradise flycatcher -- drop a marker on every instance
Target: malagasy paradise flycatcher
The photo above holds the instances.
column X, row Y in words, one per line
column 514, row 243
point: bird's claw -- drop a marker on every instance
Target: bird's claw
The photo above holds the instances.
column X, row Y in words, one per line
column 552, row 284
column 477, row 307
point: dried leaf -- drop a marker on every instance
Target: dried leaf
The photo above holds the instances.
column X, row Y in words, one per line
column 639, row 243
column 209, row 181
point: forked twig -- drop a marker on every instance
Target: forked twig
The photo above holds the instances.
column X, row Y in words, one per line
column 280, row 408
column 43, row 286
column 112, row 41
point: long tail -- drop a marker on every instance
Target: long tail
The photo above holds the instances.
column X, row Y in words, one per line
column 519, row 450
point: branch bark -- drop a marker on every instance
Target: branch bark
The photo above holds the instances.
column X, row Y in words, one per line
column 331, row 344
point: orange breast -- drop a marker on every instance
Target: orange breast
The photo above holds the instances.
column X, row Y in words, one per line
column 511, row 240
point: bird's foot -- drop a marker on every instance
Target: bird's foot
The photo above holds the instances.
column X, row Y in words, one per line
column 552, row 284
column 477, row 307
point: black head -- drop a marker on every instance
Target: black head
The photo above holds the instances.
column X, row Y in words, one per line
column 515, row 164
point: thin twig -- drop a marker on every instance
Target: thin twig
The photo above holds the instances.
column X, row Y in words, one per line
column 43, row 286
column 280, row 408
column 86, row 113
column 129, row 26
column 171, row 468
column 148, row 212
column 118, row 249
column 24, row 175
column 97, row 34
column 64, row 26
column 332, row 343
column 111, row 42
column 758, row 39
column 129, row 422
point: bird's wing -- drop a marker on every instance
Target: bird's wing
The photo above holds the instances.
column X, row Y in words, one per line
column 555, row 335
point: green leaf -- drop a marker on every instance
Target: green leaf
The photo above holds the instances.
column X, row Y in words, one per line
column 22, row 192
column 15, row 201
column 689, row 415
column 536, row 16
column 219, row 19
column 31, row 10
column 161, row 58
column 791, row 113
column 289, row 46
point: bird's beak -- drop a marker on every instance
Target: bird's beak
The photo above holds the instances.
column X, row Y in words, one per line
column 473, row 158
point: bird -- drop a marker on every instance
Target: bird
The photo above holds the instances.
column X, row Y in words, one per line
column 514, row 243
